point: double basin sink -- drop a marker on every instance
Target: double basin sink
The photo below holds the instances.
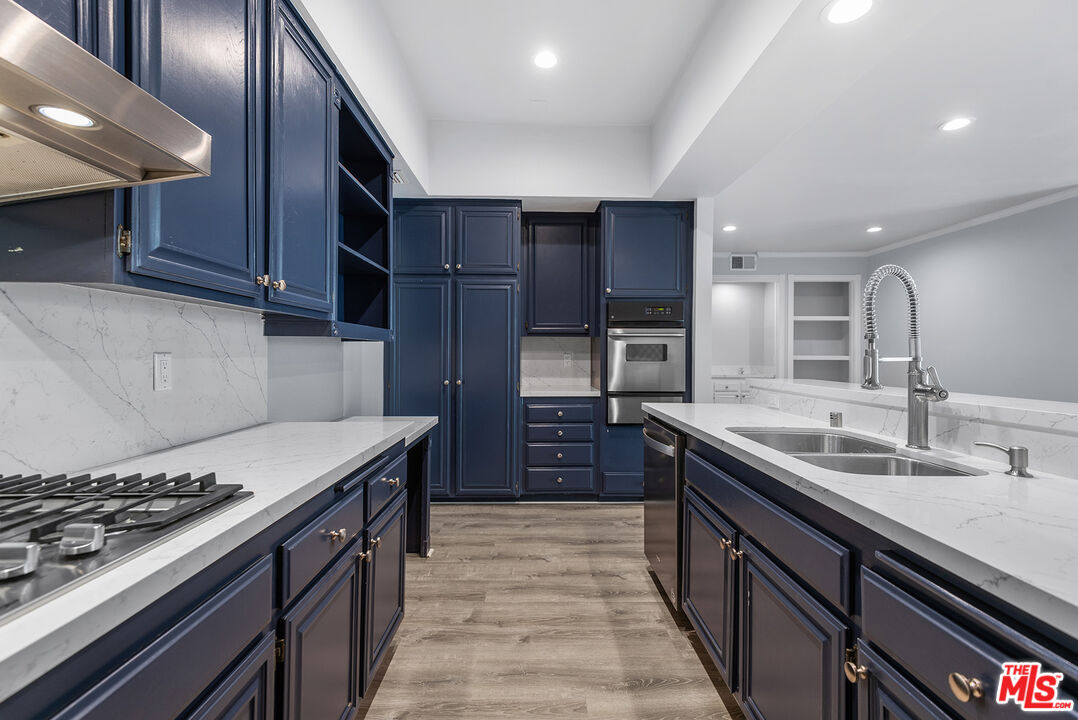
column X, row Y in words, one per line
column 847, row 453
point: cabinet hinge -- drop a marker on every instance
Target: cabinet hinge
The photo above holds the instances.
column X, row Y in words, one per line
column 278, row 650
column 518, row 213
column 123, row 241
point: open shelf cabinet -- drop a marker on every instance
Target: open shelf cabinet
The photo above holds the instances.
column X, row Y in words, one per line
column 823, row 333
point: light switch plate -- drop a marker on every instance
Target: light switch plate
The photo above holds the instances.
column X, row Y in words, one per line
column 162, row 371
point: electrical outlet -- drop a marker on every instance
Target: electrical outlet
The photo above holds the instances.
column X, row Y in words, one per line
column 773, row 401
column 567, row 359
column 162, row 371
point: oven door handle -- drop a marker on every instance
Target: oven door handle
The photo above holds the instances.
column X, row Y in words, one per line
column 647, row 333
column 659, row 447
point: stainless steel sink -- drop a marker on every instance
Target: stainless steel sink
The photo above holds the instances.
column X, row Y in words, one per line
column 800, row 441
column 882, row 465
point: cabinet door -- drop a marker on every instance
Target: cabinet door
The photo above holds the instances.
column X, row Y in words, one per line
column 709, row 583
column 645, row 250
column 557, row 281
column 421, row 383
column 90, row 23
column 487, row 239
column 486, row 357
column 321, row 636
column 247, row 692
column 204, row 231
column 883, row 694
column 421, row 236
column 792, row 649
column 384, row 587
column 302, row 177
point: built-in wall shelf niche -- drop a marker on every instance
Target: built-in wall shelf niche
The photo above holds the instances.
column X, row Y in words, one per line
column 364, row 173
column 746, row 317
column 823, row 334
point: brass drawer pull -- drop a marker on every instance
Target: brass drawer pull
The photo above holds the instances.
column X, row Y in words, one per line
column 560, row 413
column 724, row 543
column 965, row 688
column 364, row 556
column 735, row 554
column 377, row 542
column 262, row 280
column 854, row 672
column 335, row 535
column 279, row 284
column 559, row 481
column 395, row 482
column 560, row 456
column 560, row 433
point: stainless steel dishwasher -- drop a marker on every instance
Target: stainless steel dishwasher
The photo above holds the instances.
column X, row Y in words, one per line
column 664, row 452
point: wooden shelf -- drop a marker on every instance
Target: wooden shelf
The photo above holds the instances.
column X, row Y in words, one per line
column 821, row 318
column 355, row 199
column 350, row 262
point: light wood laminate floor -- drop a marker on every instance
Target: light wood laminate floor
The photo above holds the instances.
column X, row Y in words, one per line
column 541, row 610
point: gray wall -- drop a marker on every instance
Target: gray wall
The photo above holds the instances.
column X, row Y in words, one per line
column 320, row 379
column 999, row 304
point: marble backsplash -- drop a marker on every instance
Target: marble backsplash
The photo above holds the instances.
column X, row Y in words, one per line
column 76, row 375
column 542, row 361
column 1048, row 429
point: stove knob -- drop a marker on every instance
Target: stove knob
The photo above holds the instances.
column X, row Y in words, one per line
column 82, row 539
column 18, row 559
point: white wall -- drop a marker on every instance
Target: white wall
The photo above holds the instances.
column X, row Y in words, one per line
column 523, row 161
column 997, row 304
column 322, row 379
column 364, row 381
column 703, row 243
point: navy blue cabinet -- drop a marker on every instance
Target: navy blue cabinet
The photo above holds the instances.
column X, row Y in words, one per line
column 383, row 587
column 420, row 360
column 709, row 583
column 206, row 231
column 422, row 238
column 883, row 694
column 487, row 239
column 302, row 168
column 558, row 284
column 486, row 359
column 646, row 249
column 792, row 648
column 247, row 692
column 90, row 23
column 559, row 446
column 322, row 648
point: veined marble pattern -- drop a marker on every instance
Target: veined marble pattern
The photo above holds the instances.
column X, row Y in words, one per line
column 76, row 375
column 541, row 360
column 1048, row 429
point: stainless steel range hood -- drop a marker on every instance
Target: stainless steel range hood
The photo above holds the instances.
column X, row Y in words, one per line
column 126, row 137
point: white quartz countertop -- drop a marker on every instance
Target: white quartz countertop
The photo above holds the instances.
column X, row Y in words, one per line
column 549, row 387
column 283, row 464
column 1014, row 538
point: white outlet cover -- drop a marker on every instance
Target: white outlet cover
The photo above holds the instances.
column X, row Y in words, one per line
column 773, row 401
column 162, row 371
column 567, row 359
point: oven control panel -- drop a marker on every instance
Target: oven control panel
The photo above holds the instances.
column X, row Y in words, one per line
column 628, row 313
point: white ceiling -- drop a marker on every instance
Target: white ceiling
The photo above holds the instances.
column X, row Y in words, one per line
column 471, row 60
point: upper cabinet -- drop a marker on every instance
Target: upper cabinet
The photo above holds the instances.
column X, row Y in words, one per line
column 302, row 168
column 422, row 241
column 468, row 238
column 646, row 249
column 488, row 239
column 90, row 23
column 559, row 281
column 207, row 231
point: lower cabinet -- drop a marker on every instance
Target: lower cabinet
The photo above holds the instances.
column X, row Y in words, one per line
column 247, row 693
column 883, row 694
column 792, row 648
column 321, row 647
column 709, row 583
column 384, row 587
column 559, row 448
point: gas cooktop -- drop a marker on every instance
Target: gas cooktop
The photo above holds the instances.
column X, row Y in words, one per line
column 57, row 530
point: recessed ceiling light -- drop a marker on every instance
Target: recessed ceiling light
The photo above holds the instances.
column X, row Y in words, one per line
column 958, row 123
column 873, row 229
column 545, row 59
column 729, row 228
column 65, row 116
column 841, row 12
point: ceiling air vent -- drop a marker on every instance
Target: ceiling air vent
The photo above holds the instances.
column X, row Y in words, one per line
column 743, row 261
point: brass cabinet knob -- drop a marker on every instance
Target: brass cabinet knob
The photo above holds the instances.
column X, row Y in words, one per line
column 560, row 433
column 458, row 266
column 854, row 672
column 279, row 285
column 724, row 543
column 364, row 556
column 560, row 456
column 458, row 383
column 446, row 266
column 445, row 382
column 335, row 535
column 608, row 291
column 395, row 482
column 734, row 554
column 965, row 688
column 262, row 280
column 560, row 413
column 377, row 542
column 586, row 326
column 558, row 480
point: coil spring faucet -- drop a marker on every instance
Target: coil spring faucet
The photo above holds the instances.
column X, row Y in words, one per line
column 923, row 384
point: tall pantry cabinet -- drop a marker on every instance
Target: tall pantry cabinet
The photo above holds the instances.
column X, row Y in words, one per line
column 456, row 352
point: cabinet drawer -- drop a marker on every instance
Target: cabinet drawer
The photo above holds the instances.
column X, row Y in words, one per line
column 559, row 454
column 820, row 561
column 582, row 432
column 623, row 483
column 176, row 668
column 306, row 553
column 930, row 647
column 384, row 485
column 552, row 480
column 559, row 412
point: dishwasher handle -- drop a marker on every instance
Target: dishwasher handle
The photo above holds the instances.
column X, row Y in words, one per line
column 659, row 447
